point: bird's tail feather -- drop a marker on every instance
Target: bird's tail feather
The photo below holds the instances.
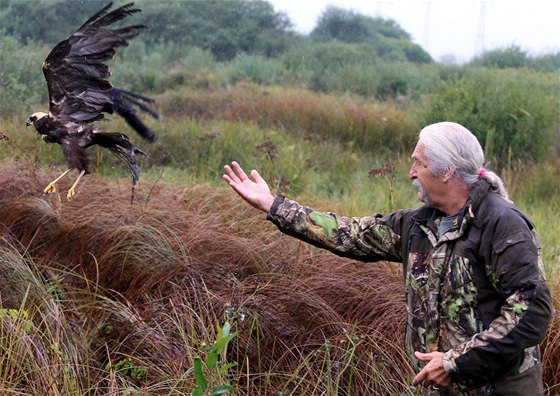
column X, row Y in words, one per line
column 124, row 102
column 123, row 149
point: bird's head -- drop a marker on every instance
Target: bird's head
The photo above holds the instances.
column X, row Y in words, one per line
column 33, row 118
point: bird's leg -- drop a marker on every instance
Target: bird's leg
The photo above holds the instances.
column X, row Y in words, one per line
column 72, row 191
column 51, row 188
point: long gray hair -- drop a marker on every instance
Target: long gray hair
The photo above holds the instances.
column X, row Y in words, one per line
column 450, row 146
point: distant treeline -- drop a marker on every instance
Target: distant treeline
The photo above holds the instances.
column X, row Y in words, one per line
column 233, row 27
column 225, row 28
column 199, row 45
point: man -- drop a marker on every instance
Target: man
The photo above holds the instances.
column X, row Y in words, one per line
column 478, row 304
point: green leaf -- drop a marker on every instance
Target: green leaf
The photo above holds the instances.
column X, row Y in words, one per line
column 197, row 392
column 211, row 360
column 221, row 390
column 226, row 329
column 200, row 380
column 227, row 367
column 222, row 342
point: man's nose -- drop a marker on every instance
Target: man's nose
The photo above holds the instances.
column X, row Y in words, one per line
column 412, row 172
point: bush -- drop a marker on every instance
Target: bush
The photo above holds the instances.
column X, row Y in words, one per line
column 20, row 76
column 256, row 69
column 514, row 113
column 515, row 57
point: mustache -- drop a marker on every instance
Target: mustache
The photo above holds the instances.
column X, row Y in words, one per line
column 425, row 198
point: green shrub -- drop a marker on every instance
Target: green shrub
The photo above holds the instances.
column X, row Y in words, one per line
column 21, row 79
column 514, row 113
column 254, row 68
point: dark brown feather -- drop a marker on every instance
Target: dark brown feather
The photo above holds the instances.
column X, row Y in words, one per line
column 80, row 93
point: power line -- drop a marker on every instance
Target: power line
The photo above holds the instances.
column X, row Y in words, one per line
column 427, row 18
column 479, row 45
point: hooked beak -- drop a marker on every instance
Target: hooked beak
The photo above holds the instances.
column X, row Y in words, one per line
column 28, row 122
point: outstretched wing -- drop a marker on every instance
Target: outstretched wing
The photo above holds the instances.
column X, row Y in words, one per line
column 77, row 74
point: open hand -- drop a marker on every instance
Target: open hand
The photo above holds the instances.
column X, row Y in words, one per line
column 256, row 192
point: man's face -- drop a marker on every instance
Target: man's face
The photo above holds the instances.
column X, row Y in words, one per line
column 429, row 186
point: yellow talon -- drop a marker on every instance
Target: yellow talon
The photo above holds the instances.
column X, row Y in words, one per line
column 72, row 190
column 70, row 194
column 51, row 188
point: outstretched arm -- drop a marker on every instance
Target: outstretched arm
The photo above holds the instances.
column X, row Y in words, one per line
column 255, row 192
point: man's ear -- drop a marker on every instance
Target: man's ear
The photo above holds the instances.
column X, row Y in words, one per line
column 449, row 175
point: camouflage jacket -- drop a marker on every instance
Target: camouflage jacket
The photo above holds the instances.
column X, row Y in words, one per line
column 478, row 293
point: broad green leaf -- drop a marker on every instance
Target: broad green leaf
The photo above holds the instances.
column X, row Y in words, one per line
column 201, row 381
column 212, row 359
column 197, row 392
column 222, row 342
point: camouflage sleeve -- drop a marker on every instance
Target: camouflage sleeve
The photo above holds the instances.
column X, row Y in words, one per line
column 515, row 268
column 370, row 238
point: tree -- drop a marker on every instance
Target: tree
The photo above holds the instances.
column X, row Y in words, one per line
column 510, row 57
column 226, row 28
column 48, row 21
column 390, row 41
column 350, row 27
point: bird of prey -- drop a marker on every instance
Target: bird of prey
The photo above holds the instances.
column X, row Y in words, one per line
column 80, row 93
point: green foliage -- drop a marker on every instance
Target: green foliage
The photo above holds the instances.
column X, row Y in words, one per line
column 214, row 367
column 329, row 65
column 515, row 57
column 47, row 21
column 385, row 37
column 511, row 57
column 226, row 28
column 20, row 315
column 256, row 69
column 513, row 113
column 156, row 69
column 20, row 71
column 547, row 63
column 350, row 27
column 356, row 68
column 127, row 367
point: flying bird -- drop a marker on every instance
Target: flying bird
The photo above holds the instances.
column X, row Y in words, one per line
column 80, row 93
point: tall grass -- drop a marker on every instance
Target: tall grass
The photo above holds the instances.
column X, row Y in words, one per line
column 125, row 297
column 138, row 296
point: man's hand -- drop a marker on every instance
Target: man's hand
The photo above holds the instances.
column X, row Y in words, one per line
column 254, row 192
column 433, row 374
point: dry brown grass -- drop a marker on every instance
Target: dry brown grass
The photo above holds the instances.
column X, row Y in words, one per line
column 161, row 272
column 366, row 124
column 200, row 251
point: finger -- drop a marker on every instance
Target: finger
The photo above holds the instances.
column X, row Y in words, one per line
column 256, row 176
column 420, row 377
column 227, row 179
column 424, row 357
column 231, row 174
column 239, row 171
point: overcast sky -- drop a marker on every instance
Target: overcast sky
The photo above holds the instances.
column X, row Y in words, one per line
column 459, row 27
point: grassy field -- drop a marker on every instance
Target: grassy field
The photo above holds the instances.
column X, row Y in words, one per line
column 178, row 285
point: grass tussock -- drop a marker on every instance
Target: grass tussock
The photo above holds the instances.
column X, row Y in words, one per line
column 136, row 292
column 109, row 297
